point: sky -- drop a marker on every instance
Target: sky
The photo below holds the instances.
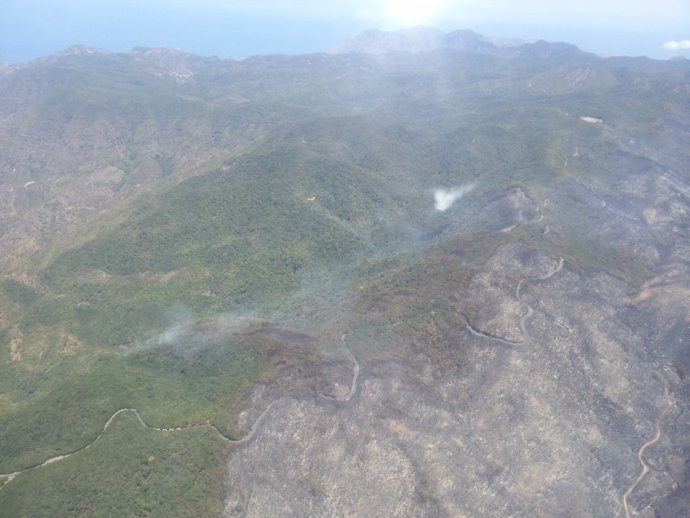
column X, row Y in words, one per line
column 240, row 28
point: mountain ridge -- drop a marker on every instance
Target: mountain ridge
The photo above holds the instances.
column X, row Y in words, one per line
column 422, row 39
column 370, row 41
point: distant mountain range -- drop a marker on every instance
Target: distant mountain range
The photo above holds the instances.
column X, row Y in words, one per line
column 415, row 40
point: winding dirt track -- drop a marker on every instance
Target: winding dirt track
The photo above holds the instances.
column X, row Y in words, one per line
column 355, row 375
column 8, row 477
column 513, row 344
column 516, row 344
column 640, row 453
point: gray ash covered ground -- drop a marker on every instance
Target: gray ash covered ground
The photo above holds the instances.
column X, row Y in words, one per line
column 556, row 387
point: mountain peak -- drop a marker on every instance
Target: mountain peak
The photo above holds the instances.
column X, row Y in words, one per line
column 420, row 39
column 157, row 51
column 414, row 39
column 425, row 39
column 82, row 50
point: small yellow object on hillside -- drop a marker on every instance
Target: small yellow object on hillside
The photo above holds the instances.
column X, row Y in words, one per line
column 311, row 198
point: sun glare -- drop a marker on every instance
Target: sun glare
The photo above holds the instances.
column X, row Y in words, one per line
column 413, row 12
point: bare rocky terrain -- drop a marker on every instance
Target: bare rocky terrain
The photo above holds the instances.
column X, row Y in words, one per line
column 551, row 428
column 567, row 397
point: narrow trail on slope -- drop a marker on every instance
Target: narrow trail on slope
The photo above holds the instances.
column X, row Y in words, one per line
column 517, row 344
column 355, row 371
column 8, row 477
column 513, row 344
column 640, row 453
column 355, row 375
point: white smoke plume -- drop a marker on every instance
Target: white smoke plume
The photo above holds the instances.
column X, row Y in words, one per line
column 445, row 198
column 187, row 333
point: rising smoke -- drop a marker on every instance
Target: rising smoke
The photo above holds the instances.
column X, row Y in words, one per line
column 445, row 198
column 187, row 334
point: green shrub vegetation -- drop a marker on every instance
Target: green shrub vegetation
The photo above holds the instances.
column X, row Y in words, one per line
column 129, row 471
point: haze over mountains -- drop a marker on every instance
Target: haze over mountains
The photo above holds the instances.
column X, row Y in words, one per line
column 425, row 274
column 425, row 39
